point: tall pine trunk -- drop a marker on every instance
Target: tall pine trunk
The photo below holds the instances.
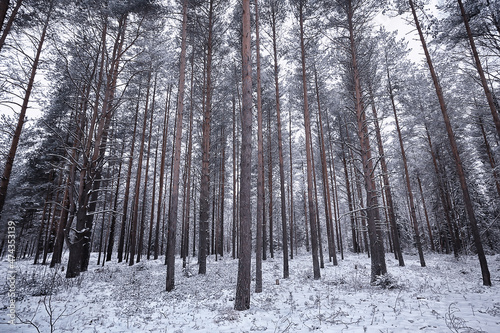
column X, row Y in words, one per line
column 205, row 168
column 260, row 164
column 378, row 265
column 242, row 299
column 307, row 125
column 280, row 150
column 172, row 218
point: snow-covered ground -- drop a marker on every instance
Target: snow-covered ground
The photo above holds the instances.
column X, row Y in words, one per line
column 446, row 295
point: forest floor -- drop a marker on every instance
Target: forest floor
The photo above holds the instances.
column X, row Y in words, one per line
column 446, row 295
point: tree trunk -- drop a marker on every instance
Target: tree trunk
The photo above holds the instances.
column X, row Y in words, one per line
column 172, row 218
column 292, row 216
column 387, row 186
column 159, row 214
column 280, row 151
column 112, row 227
column 138, row 178
column 260, row 164
column 318, row 224
column 140, row 246
column 242, row 299
column 326, row 187
column 205, row 170
column 312, row 211
column 413, row 214
column 378, row 266
column 220, row 230
column 234, row 181
column 270, row 184
column 431, row 239
column 186, row 218
column 121, row 241
column 458, row 162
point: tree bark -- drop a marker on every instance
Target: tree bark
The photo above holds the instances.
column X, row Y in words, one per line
column 312, row 210
column 387, row 186
column 280, row 150
column 159, row 214
column 378, row 266
column 172, row 218
column 205, row 168
column 326, row 187
column 242, row 299
column 260, row 164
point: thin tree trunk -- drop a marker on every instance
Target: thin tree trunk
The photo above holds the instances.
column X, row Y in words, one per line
column 137, row 190
column 153, row 199
column 146, row 180
column 461, row 175
column 112, row 227
column 234, row 180
column 220, row 232
column 326, row 187
column 318, row 224
column 280, row 150
column 121, row 241
column 336, row 206
column 172, row 218
column 270, row 185
column 411, row 203
column 242, row 299
column 355, row 245
column 162, row 172
column 431, row 239
column 312, row 211
column 186, row 218
column 387, row 186
column 260, row 165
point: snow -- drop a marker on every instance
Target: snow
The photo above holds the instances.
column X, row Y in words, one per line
column 446, row 295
